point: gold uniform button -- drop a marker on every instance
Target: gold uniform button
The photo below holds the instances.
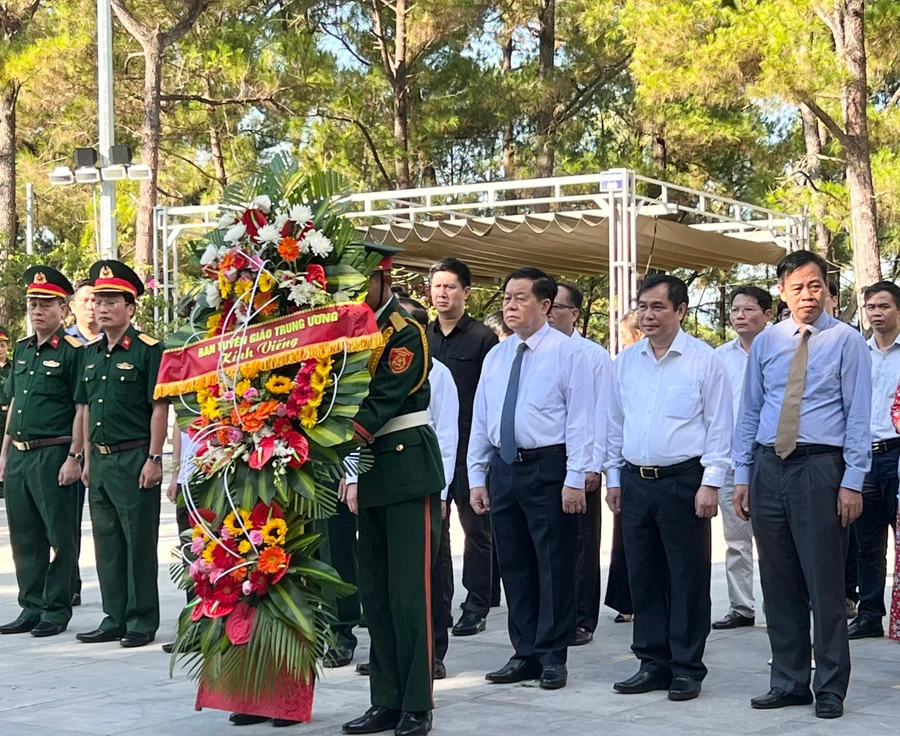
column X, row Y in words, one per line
column 20, row 411
column 99, row 423
column 99, row 401
column 399, row 448
column 107, row 355
column 104, row 378
column 25, row 391
column 30, row 373
column 122, row 378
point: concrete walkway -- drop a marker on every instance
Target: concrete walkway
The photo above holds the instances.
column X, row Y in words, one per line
column 59, row 687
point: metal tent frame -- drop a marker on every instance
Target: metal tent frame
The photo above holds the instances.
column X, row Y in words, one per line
column 615, row 221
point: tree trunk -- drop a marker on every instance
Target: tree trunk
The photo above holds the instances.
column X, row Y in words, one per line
column 509, row 153
column 401, row 98
column 723, row 311
column 854, row 99
column 218, row 157
column 8, row 216
column 659, row 157
column 150, row 133
column 813, row 170
column 545, row 149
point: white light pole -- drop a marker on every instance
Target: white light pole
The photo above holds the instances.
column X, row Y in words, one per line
column 108, row 246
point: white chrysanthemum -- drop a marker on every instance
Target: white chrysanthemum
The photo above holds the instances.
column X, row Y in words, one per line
column 317, row 244
column 281, row 221
column 302, row 293
column 227, row 220
column 262, row 202
column 235, row 233
column 213, row 297
column 300, row 213
column 268, row 234
column 210, row 255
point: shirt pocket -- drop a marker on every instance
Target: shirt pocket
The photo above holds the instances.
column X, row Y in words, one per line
column 542, row 392
column 50, row 380
column 681, row 402
column 822, row 377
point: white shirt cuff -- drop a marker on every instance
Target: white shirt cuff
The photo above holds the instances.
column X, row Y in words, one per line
column 477, row 478
column 714, row 476
column 613, row 477
column 574, row 479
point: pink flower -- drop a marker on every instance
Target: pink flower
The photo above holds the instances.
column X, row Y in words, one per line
column 256, row 537
column 197, row 547
column 247, row 587
column 234, row 435
column 251, row 393
column 152, row 284
column 196, row 569
column 228, row 396
column 239, row 623
column 224, row 533
column 281, row 410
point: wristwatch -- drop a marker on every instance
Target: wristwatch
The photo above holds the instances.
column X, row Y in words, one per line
column 155, row 458
column 79, row 456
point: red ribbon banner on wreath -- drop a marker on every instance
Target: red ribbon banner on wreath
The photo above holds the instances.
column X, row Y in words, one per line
column 315, row 333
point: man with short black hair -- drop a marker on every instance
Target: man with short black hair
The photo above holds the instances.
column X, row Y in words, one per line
column 879, row 492
column 533, row 427
column 670, row 428
column 564, row 315
column 751, row 311
column 802, row 450
column 461, row 343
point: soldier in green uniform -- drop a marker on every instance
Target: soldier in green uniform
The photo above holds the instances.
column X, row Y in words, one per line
column 41, row 459
column 399, row 510
column 123, row 464
column 5, row 370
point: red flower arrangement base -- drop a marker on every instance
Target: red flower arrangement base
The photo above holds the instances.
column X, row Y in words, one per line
column 292, row 700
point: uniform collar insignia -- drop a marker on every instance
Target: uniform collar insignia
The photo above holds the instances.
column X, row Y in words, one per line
column 54, row 341
column 126, row 342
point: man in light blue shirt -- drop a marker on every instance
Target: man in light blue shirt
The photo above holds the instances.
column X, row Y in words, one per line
column 802, row 449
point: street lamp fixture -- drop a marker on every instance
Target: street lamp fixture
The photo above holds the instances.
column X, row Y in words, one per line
column 87, row 171
column 140, row 172
column 62, row 175
column 87, row 175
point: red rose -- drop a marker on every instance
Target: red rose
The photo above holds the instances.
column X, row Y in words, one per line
column 208, row 515
column 239, row 623
column 315, row 274
column 259, row 516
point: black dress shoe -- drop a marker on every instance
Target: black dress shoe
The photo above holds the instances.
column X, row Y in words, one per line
column 283, row 722
column 643, row 682
column 338, row 656
column 583, row 636
column 469, row 625
column 414, row 724
column 684, row 688
column 132, row 639
column 495, row 603
column 19, row 626
column 865, row 627
column 76, row 600
column 623, row 618
column 98, row 636
column 516, row 670
column 362, row 669
column 554, row 676
column 438, row 670
column 734, row 620
column 829, row 705
column 47, row 628
column 245, row 719
column 169, row 648
column 778, row 698
column 376, row 720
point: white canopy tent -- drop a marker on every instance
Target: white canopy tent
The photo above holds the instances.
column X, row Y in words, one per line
column 616, row 221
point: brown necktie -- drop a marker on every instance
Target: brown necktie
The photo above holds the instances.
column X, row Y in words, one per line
column 789, row 420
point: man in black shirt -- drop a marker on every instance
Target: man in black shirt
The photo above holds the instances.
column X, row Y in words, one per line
column 461, row 343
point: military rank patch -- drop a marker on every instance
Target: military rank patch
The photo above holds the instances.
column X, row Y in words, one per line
column 400, row 359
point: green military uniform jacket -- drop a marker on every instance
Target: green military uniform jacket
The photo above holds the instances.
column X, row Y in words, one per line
column 42, row 387
column 407, row 462
column 5, row 373
column 118, row 386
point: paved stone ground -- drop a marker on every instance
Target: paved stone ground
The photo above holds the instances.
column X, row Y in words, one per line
column 59, row 687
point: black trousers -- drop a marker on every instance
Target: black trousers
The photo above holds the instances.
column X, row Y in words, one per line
column 618, row 590
column 82, row 492
column 669, row 566
column 477, row 562
column 535, row 543
column 183, row 520
column 879, row 513
column 339, row 549
column 802, row 547
column 587, row 565
column 438, row 611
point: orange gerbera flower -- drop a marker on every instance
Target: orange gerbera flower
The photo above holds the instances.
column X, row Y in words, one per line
column 260, row 299
column 289, row 249
column 271, row 560
column 251, row 417
column 239, row 575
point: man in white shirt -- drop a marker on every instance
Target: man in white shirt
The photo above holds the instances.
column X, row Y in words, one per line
column 751, row 311
column 533, row 427
column 564, row 315
column 879, row 512
column 669, row 444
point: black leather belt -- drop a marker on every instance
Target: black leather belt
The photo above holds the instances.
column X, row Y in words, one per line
column 805, row 450
column 655, row 472
column 525, row 456
column 882, row 446
column 121, row 447
column 43, row 442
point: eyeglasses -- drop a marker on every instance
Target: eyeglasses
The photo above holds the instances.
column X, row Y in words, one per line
column 563, row 306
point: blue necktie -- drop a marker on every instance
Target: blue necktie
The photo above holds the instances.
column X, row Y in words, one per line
column 508, row 449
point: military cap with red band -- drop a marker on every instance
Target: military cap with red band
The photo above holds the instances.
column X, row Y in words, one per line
column 4, row 334
column 45, row 282
column 114, row 277
column 387, row 253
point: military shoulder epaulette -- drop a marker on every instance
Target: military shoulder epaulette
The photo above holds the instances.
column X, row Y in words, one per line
column 397, row 321
column 146, row 339
column 73, row 341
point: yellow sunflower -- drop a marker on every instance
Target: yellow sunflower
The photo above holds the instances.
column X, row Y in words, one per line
column 279, row 385
column 274, row 532
column 241, row 388
column 230, row 523
column 309, row 415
